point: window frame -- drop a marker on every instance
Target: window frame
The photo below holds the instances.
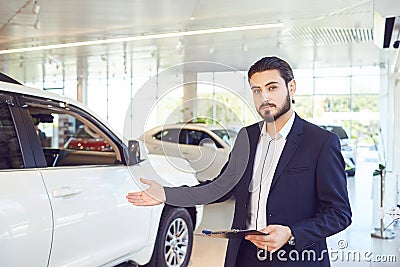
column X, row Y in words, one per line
column 27, row 157
column 121, row 150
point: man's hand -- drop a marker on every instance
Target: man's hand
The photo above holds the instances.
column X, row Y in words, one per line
column 154, row 195
column 278, row 235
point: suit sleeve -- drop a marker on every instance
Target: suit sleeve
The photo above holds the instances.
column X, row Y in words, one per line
column 334, row 212
column 222, row 186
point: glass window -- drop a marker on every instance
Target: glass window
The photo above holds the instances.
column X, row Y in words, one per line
column 197, row 138
column 332, row 85
column 336, row 105
column 304, row 86
column 234, row 81
column 228, row 136
column 303, row 73
column 69, row 140
column 10, row 152
column 365, row 104
column 97, row 96
column 170, row 135
column 365, row 70
column 304, row 106
column 324, row 72
column 119, row 98
column 53, row 78
column 365, row 85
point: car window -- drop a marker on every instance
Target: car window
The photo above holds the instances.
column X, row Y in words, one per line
column 68, row 139
column 10, row 152
column 196, row 137
column 228, row 136
column 169, row 135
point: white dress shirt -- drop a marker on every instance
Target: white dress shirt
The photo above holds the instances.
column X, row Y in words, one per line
column 268, row 152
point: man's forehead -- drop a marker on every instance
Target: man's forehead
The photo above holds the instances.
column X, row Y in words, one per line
column 272, row 75
column 266, row 81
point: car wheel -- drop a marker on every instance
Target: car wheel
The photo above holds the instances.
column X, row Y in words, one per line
column 174, row 240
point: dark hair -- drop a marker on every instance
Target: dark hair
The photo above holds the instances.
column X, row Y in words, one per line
column 272, row 63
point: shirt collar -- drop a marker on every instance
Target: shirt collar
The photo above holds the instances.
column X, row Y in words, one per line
column 283, row 132
column 287, row 127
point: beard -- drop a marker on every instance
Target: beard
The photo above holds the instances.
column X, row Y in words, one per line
column 269, row 117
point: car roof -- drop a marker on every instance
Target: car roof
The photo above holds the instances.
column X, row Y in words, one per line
column 8, row 79
column 201, row 126
column 22, row 89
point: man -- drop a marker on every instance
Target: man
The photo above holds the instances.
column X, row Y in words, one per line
column 41, row 135
column 287, row 176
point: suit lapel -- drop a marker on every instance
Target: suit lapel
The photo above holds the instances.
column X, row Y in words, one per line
column 294, row 138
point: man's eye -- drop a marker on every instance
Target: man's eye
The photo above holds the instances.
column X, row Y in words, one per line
column 256, row 91
column 272, row 88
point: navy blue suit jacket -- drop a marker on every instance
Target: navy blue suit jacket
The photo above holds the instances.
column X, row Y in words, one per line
column 308, row 191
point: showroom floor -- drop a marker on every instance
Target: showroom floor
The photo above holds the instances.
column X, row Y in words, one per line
column 360, row 249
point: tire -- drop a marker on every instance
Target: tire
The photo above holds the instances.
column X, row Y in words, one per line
column 174, row 241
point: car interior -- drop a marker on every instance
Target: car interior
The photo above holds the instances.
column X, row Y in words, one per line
column 59, row 128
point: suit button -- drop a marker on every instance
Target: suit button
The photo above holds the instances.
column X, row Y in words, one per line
column 270, row 215
column 245, row 205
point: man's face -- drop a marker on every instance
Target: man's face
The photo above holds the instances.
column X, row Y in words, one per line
column 271, row 95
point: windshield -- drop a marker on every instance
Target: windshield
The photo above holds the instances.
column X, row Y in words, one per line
column 85, row 132
column 228, row 136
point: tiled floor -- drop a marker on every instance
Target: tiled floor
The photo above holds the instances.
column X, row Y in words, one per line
column 360, row 249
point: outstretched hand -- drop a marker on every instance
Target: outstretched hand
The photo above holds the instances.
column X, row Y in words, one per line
column 154, row 195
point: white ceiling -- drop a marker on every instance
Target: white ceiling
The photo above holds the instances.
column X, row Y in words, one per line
column 319, row 32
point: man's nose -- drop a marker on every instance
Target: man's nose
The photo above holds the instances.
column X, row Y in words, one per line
column 265, row 95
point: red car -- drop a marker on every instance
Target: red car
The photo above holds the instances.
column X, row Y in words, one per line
column 87, row 139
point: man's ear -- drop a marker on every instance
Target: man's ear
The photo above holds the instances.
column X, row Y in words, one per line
column 292, row 87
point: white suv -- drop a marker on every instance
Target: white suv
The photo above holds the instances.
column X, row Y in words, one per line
column 66, row 206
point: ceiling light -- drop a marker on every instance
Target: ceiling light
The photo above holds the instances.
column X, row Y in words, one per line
column 144, row 37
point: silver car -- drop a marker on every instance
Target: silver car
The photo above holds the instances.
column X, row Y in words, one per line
column 205, row 146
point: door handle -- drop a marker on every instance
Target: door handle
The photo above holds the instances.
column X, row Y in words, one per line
column 66, row 191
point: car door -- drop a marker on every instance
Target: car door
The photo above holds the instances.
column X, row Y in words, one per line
column 25, row 212
column 93, row 222
column 204, row 153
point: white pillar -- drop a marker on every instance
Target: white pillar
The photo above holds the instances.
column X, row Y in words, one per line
column 82, row 81
column 396, row 130
column 189, row 95
column 390, row 124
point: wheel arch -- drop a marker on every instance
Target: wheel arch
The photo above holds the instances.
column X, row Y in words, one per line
column 192, row 212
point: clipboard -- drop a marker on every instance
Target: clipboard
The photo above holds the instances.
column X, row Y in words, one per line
column 230, row 234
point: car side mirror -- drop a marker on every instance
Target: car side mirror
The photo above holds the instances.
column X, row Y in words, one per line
column 133, row 152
